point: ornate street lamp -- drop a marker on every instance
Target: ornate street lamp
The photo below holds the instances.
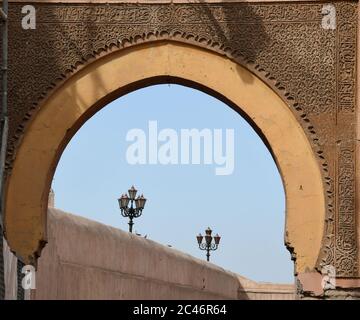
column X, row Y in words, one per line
column 129, row 211
column 208, row 245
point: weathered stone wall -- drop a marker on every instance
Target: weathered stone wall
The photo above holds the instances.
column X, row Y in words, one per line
column 10, row 272
column 265, row 291
column 88, row 260
column 312, row 68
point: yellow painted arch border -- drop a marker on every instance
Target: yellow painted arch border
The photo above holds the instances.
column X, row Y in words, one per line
column 123, row 71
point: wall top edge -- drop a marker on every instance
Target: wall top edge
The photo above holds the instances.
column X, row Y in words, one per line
column 171, row 1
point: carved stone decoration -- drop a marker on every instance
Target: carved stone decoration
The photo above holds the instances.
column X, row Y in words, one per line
column 346, row 237
column 312, row 68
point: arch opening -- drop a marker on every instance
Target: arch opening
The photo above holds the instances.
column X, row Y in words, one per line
column 185, row 194
column 109, row 77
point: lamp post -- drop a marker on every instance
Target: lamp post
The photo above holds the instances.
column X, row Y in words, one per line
column 208, row 245
column 129, row 211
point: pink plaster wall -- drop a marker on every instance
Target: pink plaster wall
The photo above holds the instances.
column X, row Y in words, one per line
column 88, row 260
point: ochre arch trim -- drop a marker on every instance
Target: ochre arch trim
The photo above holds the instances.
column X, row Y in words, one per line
column 107, row 78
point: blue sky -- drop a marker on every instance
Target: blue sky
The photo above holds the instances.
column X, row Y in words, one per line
column 247, row 208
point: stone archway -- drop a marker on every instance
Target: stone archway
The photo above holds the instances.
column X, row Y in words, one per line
column 120, row 72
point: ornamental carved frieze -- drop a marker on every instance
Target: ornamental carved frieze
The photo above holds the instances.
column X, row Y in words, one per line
column 313, row 68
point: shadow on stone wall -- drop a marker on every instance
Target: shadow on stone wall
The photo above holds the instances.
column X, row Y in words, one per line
column 240, row 30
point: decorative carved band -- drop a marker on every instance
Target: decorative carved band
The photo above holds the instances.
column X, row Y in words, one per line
column 346, row 239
